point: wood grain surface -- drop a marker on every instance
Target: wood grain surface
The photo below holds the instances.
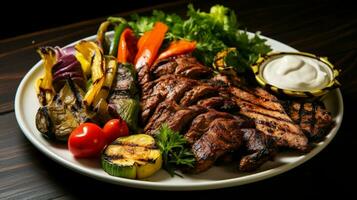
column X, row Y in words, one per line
column 325, row 28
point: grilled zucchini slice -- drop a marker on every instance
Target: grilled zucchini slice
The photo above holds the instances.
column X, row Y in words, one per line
column 134, row 156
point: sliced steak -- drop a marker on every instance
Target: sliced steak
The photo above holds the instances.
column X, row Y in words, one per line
column 222, row 136
column 220, row 103
column 270, row 117
column 201, row 123
column 184, row 65
column 313, row 118
column 259, row 148
column 167, row 87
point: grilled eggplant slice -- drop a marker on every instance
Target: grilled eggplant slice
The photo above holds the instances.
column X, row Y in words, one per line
column 134, row 156
column 58, row 119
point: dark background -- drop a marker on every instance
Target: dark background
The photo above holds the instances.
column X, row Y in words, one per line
column 20, row 17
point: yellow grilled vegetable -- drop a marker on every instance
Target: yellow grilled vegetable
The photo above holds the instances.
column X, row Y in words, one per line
column 134, row 156
column 94, row 55
column 44, row 88
column 110, row 71
column 222, row 63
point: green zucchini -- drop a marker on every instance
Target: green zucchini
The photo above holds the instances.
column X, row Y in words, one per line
column 134, row 156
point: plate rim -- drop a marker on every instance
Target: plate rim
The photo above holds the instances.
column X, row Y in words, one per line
column 254, row 177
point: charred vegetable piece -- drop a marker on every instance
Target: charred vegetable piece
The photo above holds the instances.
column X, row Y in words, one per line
column 94, row 54
column 118, row 30
column 67, row 67
column 127, row 47
column 134, row 156
column 58, row 119
column 124, row 100
column 102, row 39
column 149, row 49
column 228, row 61
column 44, row 88
column 110, row 71
column 100, row 100
column 177, row 48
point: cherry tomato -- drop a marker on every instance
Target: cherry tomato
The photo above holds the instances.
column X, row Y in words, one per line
column 87, row 140
column 115, row 128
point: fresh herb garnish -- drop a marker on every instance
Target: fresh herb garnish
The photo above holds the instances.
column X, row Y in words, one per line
column 175, row 150
column 213, row 32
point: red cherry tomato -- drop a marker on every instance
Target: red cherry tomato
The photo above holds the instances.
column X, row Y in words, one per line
column 87, row 140
column 115, row 128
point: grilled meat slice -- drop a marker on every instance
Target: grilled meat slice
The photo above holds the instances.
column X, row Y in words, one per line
column 270, row 117
column 198, row 92
column 220, row 103
column 222, row 136
column 314, row 120
column 201, row 123
column 259, row 148
column 176, row 116
column 164, row 112
column 183, row 118
column 167, row 87
column 184, row 65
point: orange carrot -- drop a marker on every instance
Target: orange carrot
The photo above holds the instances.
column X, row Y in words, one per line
column 149, row 47
column 177, row 48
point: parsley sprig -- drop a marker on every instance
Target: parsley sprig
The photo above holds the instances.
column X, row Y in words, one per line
column 175, row 150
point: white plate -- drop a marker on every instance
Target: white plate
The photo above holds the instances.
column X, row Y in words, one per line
column 26, row 105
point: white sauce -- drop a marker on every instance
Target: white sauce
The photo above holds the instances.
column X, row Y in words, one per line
column 296, row 72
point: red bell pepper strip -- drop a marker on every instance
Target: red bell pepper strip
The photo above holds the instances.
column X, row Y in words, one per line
column 143, row 38
column 127, row 46
column 150, row 47
column 177, row 48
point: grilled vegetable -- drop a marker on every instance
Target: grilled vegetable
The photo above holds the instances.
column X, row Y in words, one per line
column 110, row 71
column 102, row 39
column 44, row 88
column 59, row 118
column 118, row 30
column 67, row 67
column 93, row 54
column 124, row 100
column 178, row 47
column 228, row 60
column 149, row 49
column 134, row 156
column 127, row 47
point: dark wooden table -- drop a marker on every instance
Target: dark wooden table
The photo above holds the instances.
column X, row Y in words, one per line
column 320, row 27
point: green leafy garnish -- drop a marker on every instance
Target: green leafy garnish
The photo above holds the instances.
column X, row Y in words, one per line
column 174, row 148
column 213, row 31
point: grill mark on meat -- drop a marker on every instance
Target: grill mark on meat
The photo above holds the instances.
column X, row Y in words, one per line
column 272, row 105
column 284, row 138
column 264, row 98
column 163, row 113
column 251, row 107
column 271, row 123
column 183, row 117
column 222, row 136
column 259, row 148
column 258, row 105
column 197, row 93
column 312, row 117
